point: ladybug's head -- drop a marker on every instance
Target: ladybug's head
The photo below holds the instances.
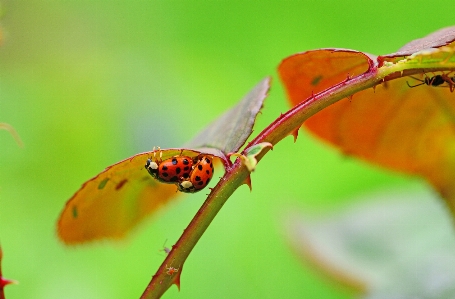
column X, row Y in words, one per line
column 186, row 186
column 152, row 167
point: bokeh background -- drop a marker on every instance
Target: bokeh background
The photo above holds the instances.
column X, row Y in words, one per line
column 89, row 83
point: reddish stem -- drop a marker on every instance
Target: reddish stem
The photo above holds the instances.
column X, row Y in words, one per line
column 237, row 173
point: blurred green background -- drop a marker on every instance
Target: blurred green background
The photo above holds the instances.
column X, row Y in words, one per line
column 89, row 83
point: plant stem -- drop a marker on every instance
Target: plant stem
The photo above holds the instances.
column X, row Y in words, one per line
column 161, row 281
column 236, row 174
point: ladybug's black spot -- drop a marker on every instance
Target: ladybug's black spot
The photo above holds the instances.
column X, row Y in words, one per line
column 186, row 168
column 199, row 167
column 164, row 167
column 174, row 161
column 200, row 183
column 198, row 178
column 174, row 179
column 186, row 175
column 207, row 160
column 165, row 174
column 211, row 165
column 207, row 171
column 178, row 170
column 185, row 162
column 208, row 180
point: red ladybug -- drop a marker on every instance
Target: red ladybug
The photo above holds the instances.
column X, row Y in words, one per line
column 172, row 170
column 199, row 177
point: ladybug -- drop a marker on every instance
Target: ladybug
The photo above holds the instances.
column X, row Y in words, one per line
column 199, row 177
column 171, row 170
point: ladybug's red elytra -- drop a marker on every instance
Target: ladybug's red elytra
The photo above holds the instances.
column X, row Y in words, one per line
column 172, row 170
column 199, row 177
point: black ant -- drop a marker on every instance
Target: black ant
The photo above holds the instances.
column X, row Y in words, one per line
column 436, row 80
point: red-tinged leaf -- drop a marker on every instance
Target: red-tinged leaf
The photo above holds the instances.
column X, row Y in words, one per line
column 311, row 72
column 409, row 129
column 230, row 131
column 442, row 37
column 112, row 203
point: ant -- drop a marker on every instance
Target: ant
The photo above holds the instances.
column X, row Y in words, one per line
column 436, row 80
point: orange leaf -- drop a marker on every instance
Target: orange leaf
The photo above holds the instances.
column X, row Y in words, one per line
column 311, row 72
column 116, row 200
column 396, row 126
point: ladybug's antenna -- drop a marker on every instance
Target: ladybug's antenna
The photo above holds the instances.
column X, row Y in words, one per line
column 157, row 149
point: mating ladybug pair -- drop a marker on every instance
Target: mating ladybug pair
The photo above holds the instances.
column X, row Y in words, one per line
column 189, row 174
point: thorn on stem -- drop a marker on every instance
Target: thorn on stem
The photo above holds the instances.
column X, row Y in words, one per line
column 248, row 183
column 295, row 133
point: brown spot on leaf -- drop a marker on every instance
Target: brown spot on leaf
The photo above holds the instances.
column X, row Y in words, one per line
column 316, row 80
column 120, row 185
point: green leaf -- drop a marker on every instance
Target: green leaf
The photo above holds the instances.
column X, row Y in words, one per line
column 398, row 246
column 230, row 131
